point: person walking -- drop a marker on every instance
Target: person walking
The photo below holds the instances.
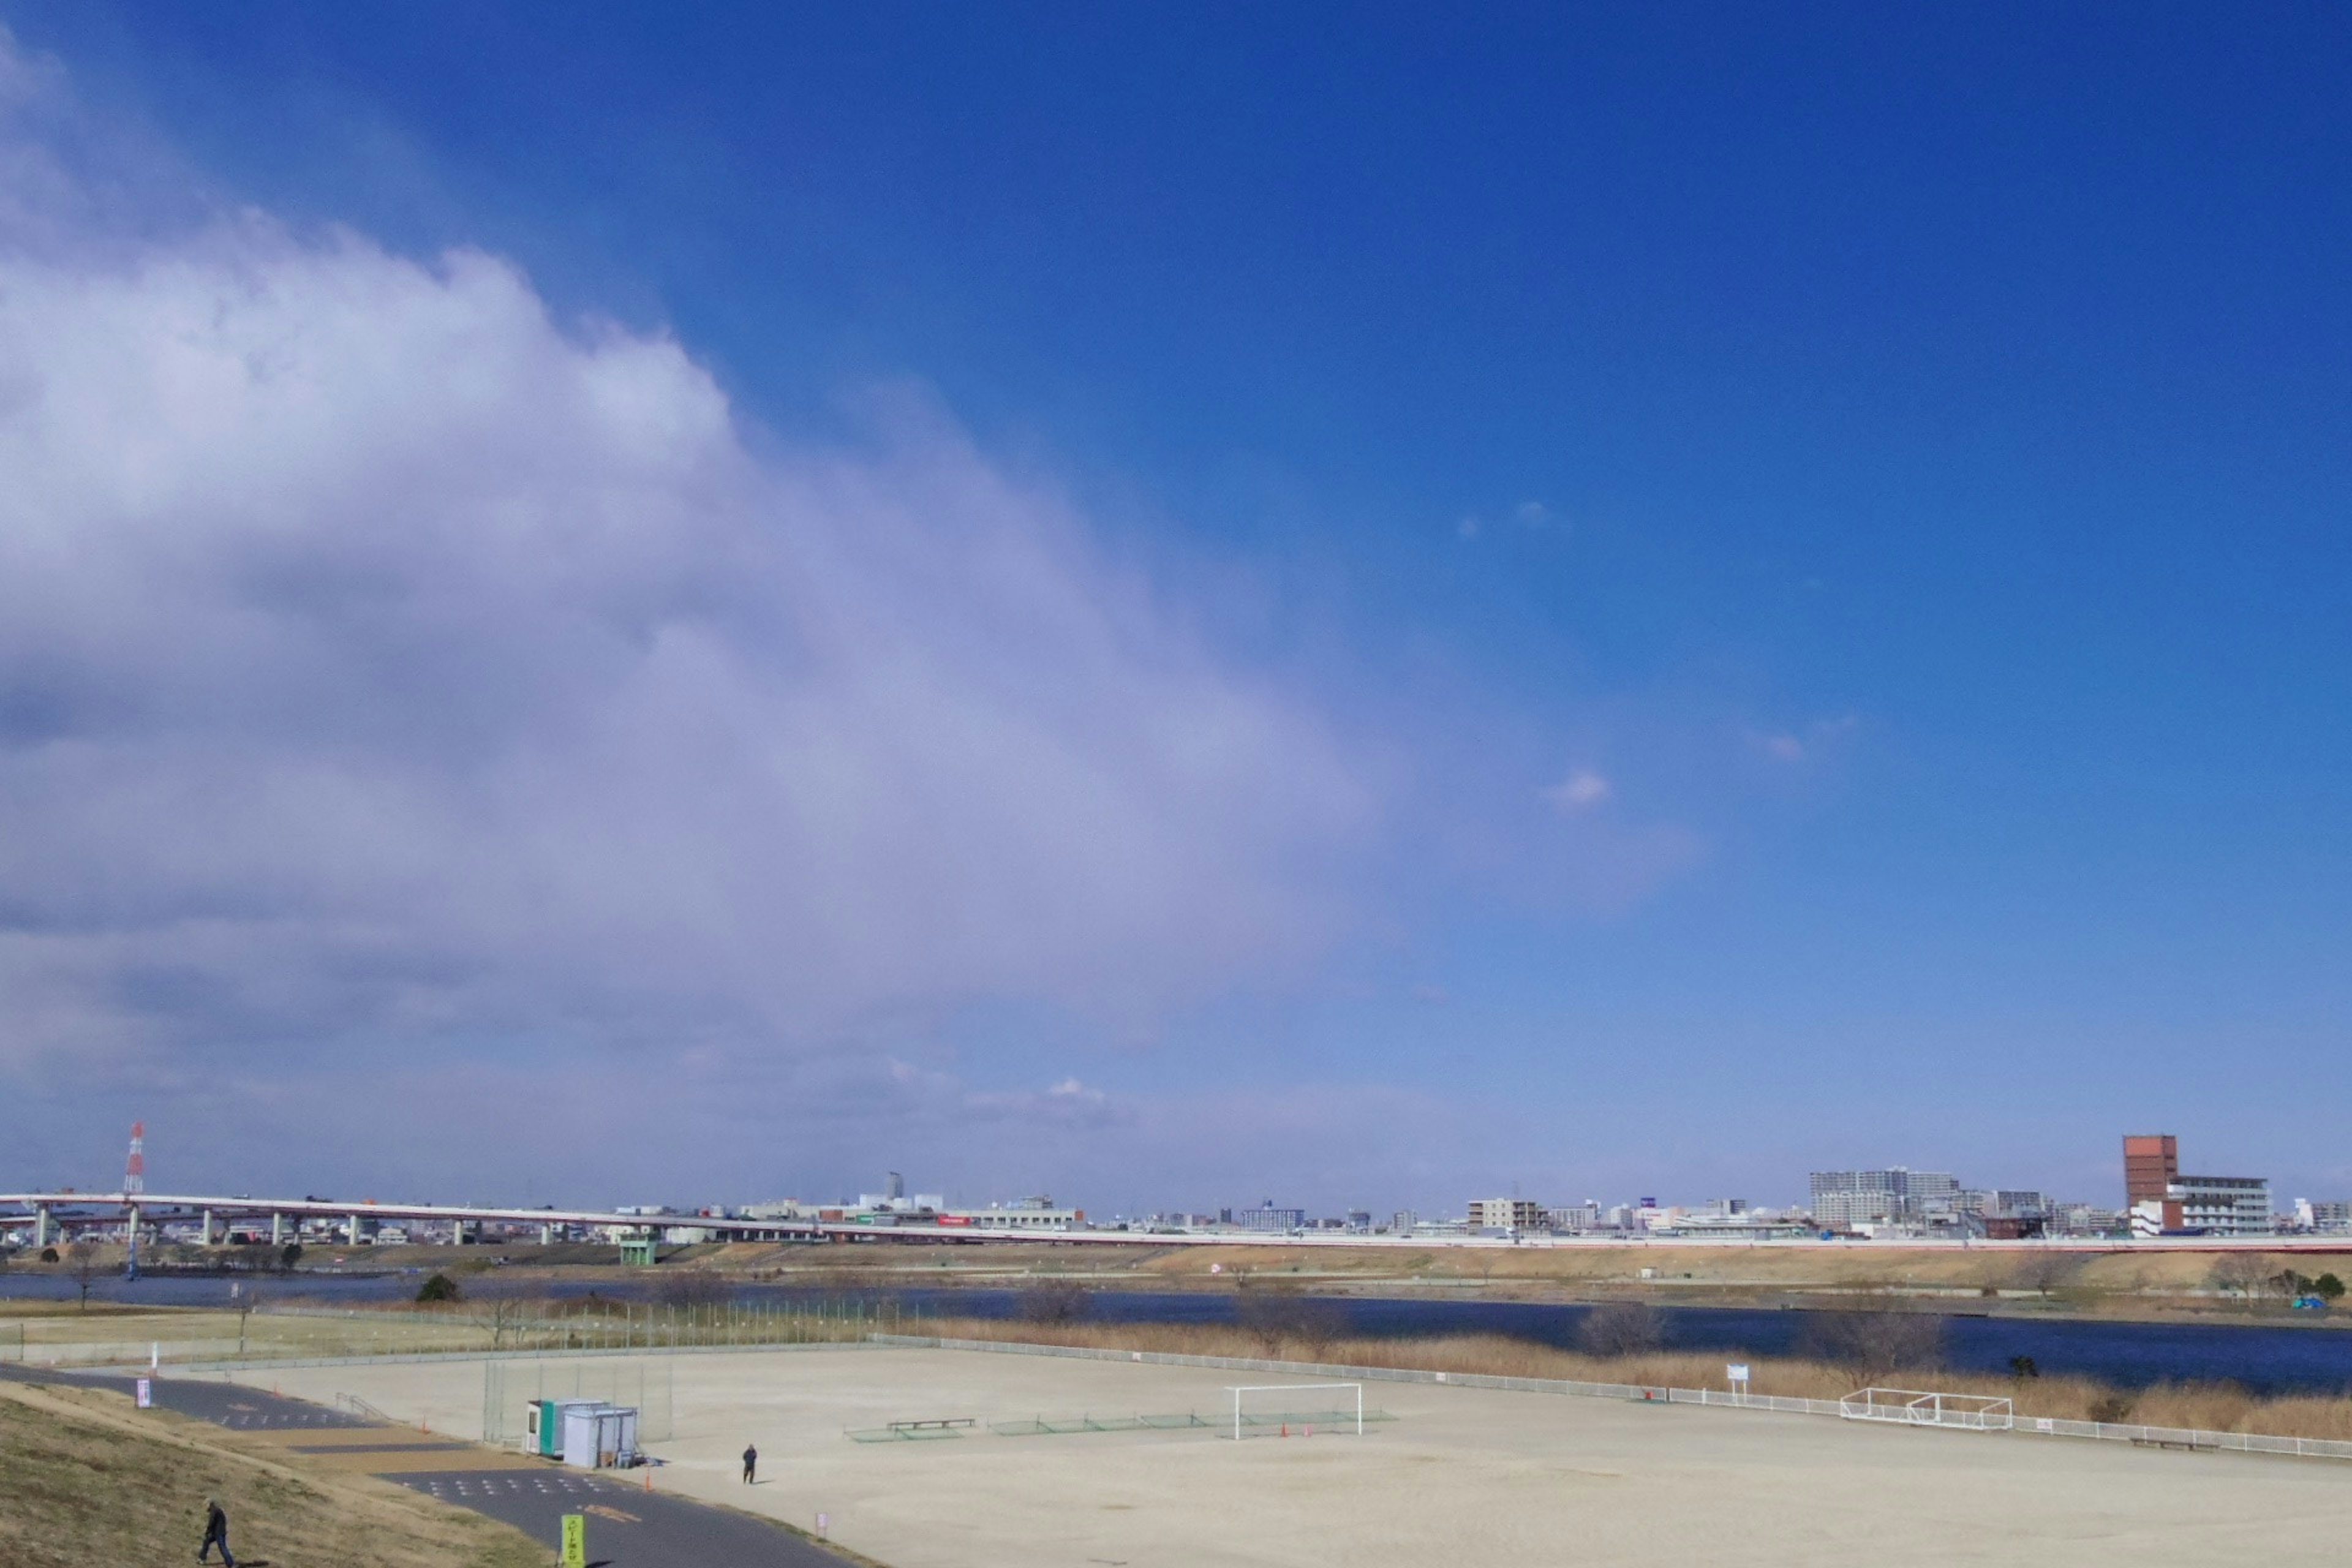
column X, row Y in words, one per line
column 750, row 1462
column 216, row 1532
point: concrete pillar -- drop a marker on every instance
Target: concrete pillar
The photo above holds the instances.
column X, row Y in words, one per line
column 547, row 1235
column 352, row 1232
column 278, row 1230
column 456, row 1233
column 206, row 1235
column 131, row 1230
column 40, row 1228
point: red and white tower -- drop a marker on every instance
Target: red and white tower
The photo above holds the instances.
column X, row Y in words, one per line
column 134, row 1170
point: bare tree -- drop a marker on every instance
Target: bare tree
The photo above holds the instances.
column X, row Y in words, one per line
column 1053, row 1301
column 2043, row 1272
column 498, row 1306
column 1620, row 1327
column 81, row 1263
column 1877, row 1344
column 1276, row 1315
column 2246, row 1275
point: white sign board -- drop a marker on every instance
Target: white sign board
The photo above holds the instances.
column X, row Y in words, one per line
column 146, row 1393
column 1736, row 1371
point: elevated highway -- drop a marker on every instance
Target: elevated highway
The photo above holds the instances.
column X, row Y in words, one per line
column 54, row 1212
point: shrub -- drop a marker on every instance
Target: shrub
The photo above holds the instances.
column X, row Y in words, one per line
column 1052, row 1301
column 440, row 1288
column 2328, row 1285
column 1620, row 1327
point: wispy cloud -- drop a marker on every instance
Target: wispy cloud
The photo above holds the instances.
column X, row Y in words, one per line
column 1528, row 515
column 1582, row 790
column 1806, row 742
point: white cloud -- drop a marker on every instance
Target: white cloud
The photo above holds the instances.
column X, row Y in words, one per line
column 1581, row 790
column 1798, row 746
column 382, row 659
column 1528, row 515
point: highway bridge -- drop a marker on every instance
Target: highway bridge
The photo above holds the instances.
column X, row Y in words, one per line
column 58, row 1212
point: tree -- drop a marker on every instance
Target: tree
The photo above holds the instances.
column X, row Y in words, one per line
column 440, row 1288
column 291, row 1255
column 1275, row 1315
column 2246, row 1275
column 2043, row 1272
column 82, row 1261
column 1051, row 1301
column 498, row 1306
column 1620, row 1327
column 2330, row 1287
column 1877, row 1344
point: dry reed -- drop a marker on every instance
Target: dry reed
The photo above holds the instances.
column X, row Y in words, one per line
column 2211, row 1407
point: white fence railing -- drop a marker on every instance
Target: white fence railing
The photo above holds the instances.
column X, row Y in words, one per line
column 1648, row 1394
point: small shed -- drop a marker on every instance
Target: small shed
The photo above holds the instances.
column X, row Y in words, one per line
column 597, row 1436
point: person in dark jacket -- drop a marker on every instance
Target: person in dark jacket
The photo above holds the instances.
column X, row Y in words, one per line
column 216, row 1532
column 750, row 1462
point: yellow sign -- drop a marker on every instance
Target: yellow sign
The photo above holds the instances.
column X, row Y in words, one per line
column 576, row 1540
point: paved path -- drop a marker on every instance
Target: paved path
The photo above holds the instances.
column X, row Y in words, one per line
column 628, row 1526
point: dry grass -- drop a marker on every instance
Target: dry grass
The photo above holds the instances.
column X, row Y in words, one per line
column 87, row 1479
column 2213, row 1407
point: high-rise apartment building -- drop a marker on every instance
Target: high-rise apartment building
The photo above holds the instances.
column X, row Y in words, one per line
column 2151, row 1164
column 1842, row 1198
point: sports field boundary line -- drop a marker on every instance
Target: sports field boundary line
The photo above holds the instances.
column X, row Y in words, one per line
column 1644, row 1393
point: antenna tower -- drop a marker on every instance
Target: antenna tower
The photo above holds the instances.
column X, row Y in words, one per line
column 134, row 1170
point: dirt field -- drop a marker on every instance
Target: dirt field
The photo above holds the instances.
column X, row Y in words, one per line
column 1493, row 1479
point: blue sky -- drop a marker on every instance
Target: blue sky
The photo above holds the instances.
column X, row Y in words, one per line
column 1761, row 590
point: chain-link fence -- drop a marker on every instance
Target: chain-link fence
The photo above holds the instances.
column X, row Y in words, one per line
column 510, row 1388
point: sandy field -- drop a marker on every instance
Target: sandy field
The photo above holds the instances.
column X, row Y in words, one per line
column 1483, row 1478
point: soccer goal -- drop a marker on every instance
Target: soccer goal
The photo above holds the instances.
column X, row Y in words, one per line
column 1265, row 1409
column 1922, row 1407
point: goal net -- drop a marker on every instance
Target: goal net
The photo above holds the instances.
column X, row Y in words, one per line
column 1295, row 1409
column 1923, row 1407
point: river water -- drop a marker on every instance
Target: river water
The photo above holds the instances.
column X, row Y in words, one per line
column 2265, row 1359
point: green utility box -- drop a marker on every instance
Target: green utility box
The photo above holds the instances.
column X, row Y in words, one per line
column 638, row 1250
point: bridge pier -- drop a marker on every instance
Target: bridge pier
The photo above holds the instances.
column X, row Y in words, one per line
column 41, row 1226
column 547, row 1235
column 276, row 1230
column 204, row 1236
column 352, row 1230
column 456, row 1233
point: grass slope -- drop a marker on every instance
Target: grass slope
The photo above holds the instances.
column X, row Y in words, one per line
column 86, row 1479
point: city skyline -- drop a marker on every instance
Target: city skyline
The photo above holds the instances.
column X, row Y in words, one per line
column 1143, row 605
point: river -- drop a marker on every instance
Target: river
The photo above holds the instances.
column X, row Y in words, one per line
column 2263, row 1358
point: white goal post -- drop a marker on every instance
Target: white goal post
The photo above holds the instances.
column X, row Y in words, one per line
column 1925, row 1407
column 1340, row 1413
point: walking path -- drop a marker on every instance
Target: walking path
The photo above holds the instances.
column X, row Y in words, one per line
column 628, row 1526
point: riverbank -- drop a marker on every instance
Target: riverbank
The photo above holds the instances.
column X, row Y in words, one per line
column 2091, row 1282
column 2212, row 1407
